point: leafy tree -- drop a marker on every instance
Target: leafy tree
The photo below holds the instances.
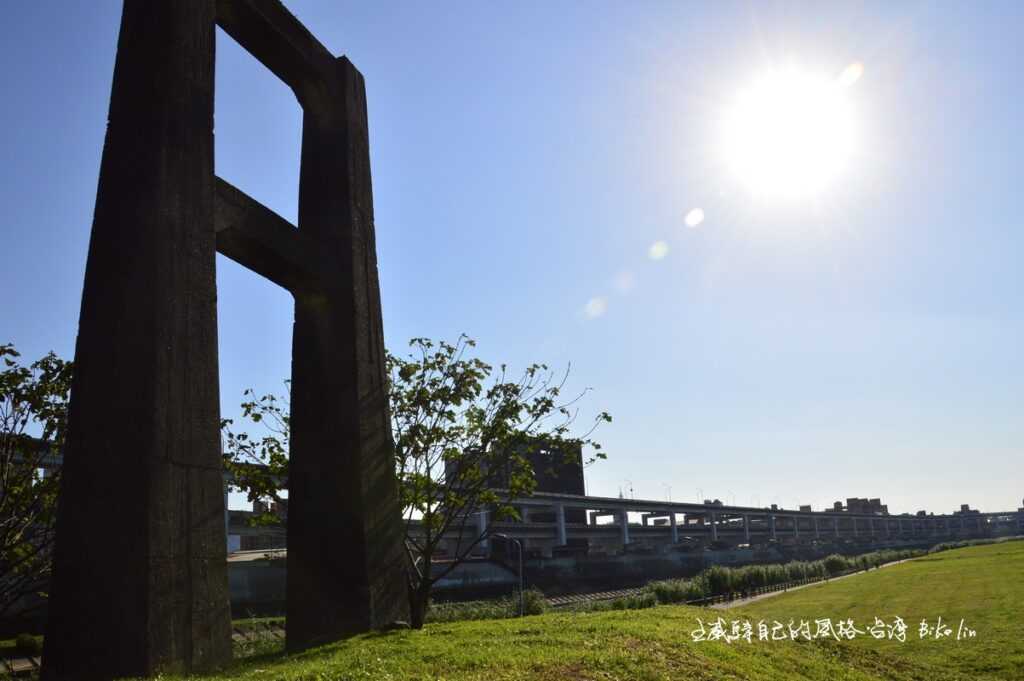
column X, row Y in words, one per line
column 464, row 433
column 33, row 398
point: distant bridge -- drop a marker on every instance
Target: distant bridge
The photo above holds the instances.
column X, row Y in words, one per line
column 545, row 524
column 614, row 524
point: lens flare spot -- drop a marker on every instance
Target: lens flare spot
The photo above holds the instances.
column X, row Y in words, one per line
column 694, row 218
column 624, row 281
column 851, row 74
column 658, row 250
column 595, row 307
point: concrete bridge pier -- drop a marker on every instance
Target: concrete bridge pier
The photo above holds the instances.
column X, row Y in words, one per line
column 624, row 526
column 771, row 526
column 675, row 528
column 714, row 527
column 746, row 527
column 481, row 529
column 561, row 537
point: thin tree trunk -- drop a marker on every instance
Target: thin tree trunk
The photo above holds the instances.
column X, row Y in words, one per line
column 419, row 601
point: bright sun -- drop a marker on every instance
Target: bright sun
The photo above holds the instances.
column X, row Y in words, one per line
column 790, row 133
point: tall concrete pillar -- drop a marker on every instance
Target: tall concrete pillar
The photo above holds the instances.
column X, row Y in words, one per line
column 817, row 532
column 346, row 561
column 714, row 526
column 746, row 527
column 796, row 527
column 624, row 526
column 871, row 526
column 854, row 520
column 560, row 535
column 481, row 528
column 142, row 461
column 835, row 525
column 674, row 526
column 771, row 525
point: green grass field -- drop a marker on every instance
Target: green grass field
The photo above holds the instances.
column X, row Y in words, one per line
column 983, row 585
column 980, row 584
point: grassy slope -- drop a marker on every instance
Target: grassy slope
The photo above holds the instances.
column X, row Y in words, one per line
column 981, row 584
column 984, row 585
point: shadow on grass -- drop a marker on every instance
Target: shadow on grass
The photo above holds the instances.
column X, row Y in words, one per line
column 322, row 651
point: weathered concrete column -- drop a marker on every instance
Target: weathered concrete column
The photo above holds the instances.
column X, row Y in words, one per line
column 746, row 527
column 817, row 533
column 714, row 526
column 835, row 526
column 560, row 536
column 346, row 562
column 624, row 526
column 871, row 526
column 854, row 519
column 142, row 460
column 771, row 525
column 796, row 527
column 674, row 526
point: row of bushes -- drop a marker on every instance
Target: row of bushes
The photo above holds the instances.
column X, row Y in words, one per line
column 534, row 603
column 947, row 545
column 719, row 580
column 716, row 580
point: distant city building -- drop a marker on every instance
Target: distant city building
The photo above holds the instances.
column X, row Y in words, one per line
column 965, row 509
column 862, row 506
column 557, row 468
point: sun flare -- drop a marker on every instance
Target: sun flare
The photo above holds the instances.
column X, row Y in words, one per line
column 790, row 133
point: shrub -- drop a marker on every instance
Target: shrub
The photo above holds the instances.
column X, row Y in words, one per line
column 28, row 645
column 719, row 580
column 534, row 602
column 835, row 564
column 677, row 590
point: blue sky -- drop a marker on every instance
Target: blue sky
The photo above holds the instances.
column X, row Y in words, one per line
column 864, row 341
